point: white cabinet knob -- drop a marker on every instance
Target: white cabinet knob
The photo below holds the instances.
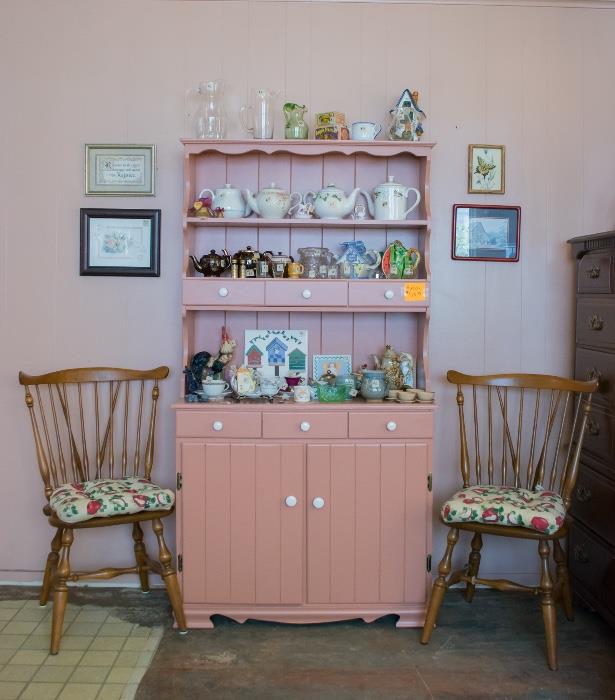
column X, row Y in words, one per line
column 306, row 294
column 223, row 292
column 389, row 294
column 391, row 426
column 318, row 502
column 291, row 501
column 305, row 426
column 217, row 425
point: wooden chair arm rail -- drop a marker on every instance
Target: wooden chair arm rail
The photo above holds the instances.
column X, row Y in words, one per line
column 92, row 374
column 523, row 381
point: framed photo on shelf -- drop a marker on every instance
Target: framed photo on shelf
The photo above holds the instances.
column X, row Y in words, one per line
column 485, row 169
column 112, row 169
column 120, row 242
column 336, row 364
column 486, row 232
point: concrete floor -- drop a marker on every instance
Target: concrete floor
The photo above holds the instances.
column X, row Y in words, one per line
column 493, row 648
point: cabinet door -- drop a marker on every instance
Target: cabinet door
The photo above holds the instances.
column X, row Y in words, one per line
column 241, row 542
column 368, row 542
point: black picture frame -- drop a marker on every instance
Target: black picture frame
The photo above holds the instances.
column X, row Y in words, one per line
column 124, row 245
column 486, row 232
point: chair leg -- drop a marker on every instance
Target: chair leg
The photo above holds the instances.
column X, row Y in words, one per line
column 563, row 579
column 60, row 590
column 439, row 586
column 547, row 601
column 50, row 567
column 473, row 565
column 141, row 556
column 169, row 576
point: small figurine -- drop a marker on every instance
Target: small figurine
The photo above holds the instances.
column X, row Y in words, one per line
column 406, row 118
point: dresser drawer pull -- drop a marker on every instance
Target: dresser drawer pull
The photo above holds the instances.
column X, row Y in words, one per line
column 306, row 294
column 223, row 292
column 318, row 503
column 580, row 554
column 595, row 323
column 291, row 501
column 593, row 428
column 217, row 425
column 593, row 272
column 389, row 294
column 305, row 426
column 391, row 426
column 584, row 494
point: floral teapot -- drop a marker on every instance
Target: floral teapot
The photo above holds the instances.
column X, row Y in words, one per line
column 390, row 200
column 332, row 203
column 356, row 262
column 271, row 202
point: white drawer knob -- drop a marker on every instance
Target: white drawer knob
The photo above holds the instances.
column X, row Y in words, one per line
column 223, row 292
column 318, row 502
column 389, row 294
column 305, row 426
column 391, row 426
column 291, row 501
column 217, row 425
column 306, row 294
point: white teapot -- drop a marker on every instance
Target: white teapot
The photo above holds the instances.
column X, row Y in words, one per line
column 332, row 203
column 230, row 199
column 390, row 200
column 271, row 202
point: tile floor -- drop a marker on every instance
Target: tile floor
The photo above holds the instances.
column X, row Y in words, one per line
column 102, row 656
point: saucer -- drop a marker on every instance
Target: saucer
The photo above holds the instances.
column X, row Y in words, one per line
column 425, row 400
column 203, row 395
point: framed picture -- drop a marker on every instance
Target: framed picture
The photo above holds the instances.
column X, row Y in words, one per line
column 112, row 169
column 486, row 232
column 336, row 364
column 485, row 169
column 275, row 353
column 120, row 242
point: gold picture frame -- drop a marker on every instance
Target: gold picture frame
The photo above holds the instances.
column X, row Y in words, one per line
column 486, row 169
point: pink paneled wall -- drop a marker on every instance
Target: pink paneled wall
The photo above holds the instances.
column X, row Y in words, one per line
column 75, row 73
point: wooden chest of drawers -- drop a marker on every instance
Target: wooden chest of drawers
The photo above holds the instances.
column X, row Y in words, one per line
column 591, row 549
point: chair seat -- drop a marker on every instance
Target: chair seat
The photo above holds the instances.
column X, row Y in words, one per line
column 104, row 498
column 542, row 511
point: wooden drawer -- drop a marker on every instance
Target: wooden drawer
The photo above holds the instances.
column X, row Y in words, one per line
column 599, row 433
column 305, row 425
column 221, row 424
column 594, row 364
column 223, row 292
column 379, row 294
column 593, row 502
column 595, row 274
column 391, row 424
column 306, row 293
column 593, row 563
column 596, row 322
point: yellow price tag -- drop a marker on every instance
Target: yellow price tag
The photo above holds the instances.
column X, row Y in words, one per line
column 415, row 291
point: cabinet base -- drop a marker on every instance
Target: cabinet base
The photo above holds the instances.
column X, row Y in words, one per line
column 198, row 616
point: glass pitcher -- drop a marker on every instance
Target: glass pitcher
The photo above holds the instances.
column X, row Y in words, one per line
column 205, row 110
column 258, row 116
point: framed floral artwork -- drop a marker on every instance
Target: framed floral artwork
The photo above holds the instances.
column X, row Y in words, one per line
column 486, row 232
column 486, row 169
column 120, row 242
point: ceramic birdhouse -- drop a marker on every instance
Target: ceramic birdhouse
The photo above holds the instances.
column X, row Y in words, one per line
column 406, row 118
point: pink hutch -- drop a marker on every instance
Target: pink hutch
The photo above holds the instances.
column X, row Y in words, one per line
column 305, row 512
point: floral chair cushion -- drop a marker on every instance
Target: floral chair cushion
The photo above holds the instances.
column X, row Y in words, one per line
column 104, row 498
column 538, row 510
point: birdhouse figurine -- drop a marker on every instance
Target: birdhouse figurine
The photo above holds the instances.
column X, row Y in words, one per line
column 406, row 118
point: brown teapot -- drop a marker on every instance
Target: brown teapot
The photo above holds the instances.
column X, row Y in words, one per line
column 212, row 264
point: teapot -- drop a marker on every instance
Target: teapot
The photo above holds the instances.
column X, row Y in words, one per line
column 212, row 264
column 230, row 199
column 390, row 200
column 277, row 263
column 247, row 261
column 390, row 364
column 399, row 262
column 332, row 203
column 271, row 202
column 357, row 262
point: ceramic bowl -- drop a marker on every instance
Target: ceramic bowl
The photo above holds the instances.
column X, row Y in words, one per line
column 406, row 396
column 425, row 395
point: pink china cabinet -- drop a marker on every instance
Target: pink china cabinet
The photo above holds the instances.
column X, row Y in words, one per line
column 305, row 512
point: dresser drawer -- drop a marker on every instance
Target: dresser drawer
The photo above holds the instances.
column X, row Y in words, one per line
column 305, row 425
column 598, row 438
column 594, row 364
column 593, row 563
column 306, row 293
column 381, row 293
column 596, row 322
column 593, row 502
column 223, row 292
column 221, row 424
column 391, row 424
column 595, row 274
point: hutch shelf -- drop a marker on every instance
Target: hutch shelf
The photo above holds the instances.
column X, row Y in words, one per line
column 305, row 512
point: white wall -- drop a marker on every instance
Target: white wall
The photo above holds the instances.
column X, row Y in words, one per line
column 537, row 79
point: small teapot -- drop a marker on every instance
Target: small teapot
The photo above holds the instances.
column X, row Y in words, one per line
column 332, row 203
column 390, row 200
column 247, row 260
column 357, row 262
column 212, row 265
column 271, row 202
column 230, row 199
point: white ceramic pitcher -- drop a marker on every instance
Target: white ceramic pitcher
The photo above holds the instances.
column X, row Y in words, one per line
column 390, row 201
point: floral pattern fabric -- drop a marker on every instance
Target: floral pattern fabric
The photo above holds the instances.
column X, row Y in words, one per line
column 104, row 498
column 538, row 510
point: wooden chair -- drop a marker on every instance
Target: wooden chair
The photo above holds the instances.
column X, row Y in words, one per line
column 98, row 424
column 525, row 437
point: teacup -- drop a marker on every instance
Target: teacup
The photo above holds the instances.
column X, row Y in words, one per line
column 301, row 211
column 214, row 387
column 302, row 394
column 293, row 381
column 364, row 131
column 407, row 396
column 269, row 386
column 425, row 395
column 294, row 270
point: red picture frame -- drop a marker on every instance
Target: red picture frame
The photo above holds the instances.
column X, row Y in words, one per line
column 486, row 232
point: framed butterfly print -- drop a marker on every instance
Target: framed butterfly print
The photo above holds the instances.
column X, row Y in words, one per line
column 485, row 169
